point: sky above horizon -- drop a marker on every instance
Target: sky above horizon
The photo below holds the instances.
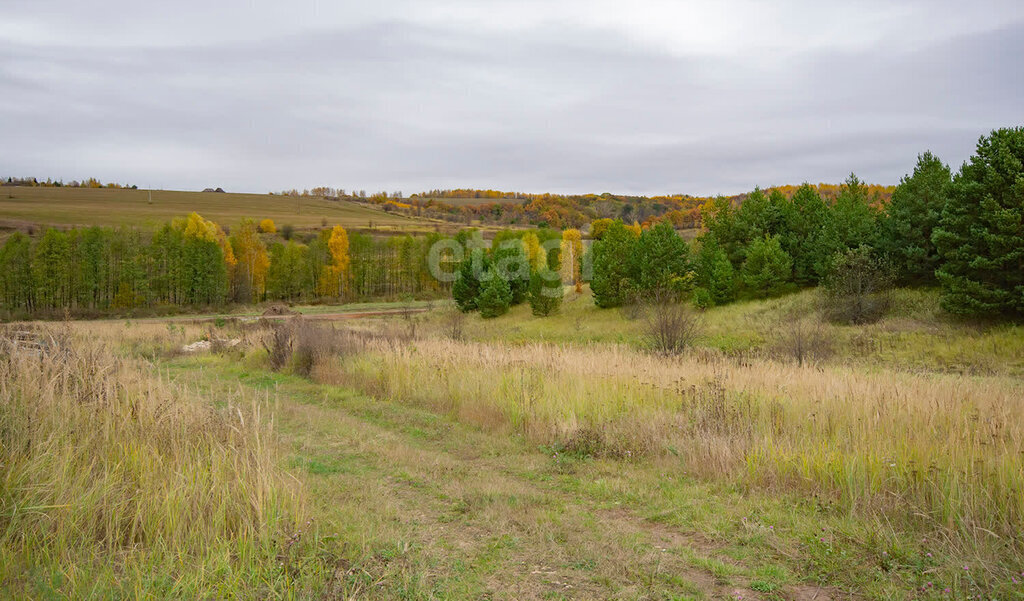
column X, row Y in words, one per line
column 573, row 96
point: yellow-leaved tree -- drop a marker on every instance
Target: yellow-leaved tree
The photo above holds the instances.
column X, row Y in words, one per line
column 534, row 254
column 267, row 226
column 334, row 279
column 252, row 262
column 197, row 228
column 572, row 257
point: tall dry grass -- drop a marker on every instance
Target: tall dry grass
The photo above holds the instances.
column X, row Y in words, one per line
column 113, row 480
column 945, row 451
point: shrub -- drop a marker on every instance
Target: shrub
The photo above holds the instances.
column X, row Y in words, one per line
column 278, row 343
column 857, row 286
column 495, row 298
column 545, row 292
column 453, row 324
column 267, row 226
column 702, row 298
column 671, row 326
column 287, row 230
column 804, row 341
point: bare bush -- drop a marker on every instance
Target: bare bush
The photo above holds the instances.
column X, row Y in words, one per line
column 453, row 323
column 278, row 343
column 314, row 343
column 805, row 341
column 670, row 326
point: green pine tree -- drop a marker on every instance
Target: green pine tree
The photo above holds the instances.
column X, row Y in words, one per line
column 768, row 268
column 911, row 217
column 660, row 257
column 613, row 276
column 495, row 297
column 980, row 235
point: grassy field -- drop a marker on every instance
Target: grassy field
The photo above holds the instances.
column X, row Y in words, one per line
column 20, row 206
column 530, row 458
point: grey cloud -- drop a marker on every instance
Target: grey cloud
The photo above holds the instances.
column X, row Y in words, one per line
column 394, row 104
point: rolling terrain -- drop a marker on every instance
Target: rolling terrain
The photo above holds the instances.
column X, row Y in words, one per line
column 22, row 207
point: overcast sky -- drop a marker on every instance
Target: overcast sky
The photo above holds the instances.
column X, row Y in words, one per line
column 643, row 97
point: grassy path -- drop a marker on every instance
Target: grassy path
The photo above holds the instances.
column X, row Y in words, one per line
column 411, row 505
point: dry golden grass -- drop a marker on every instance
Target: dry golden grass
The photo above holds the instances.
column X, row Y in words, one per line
column 109, row 206
column 945, row 452
column 112, row 479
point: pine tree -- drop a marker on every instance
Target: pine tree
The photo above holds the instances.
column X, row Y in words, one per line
column 612, row 279
column 660, row 258
column 466, row 288
column 495, row 297
column 509, row 260
column 980, row 235
column 805, row 217
column 912, row 215
column 851, row 222
column 767, row 268
column 722, row 280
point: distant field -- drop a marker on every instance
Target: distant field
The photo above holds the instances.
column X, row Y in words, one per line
column 23, row 206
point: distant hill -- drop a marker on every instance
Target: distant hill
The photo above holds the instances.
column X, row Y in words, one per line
column 23, row 207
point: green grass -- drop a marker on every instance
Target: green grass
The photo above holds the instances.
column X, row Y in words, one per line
column 463, row 514
column 914, row 335
column 428, row 469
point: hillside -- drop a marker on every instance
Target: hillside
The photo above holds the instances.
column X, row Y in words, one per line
column 22, row 207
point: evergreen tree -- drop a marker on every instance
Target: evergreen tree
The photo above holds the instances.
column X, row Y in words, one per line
column 545, row 292
column 467, row 285
column 851, row 222
column 495, row 297
column 912, row 215
column 612, row 281
column 980, row 235
column 805, row 217
column 721, row 284
column 509, row 260
column 768, row 268
column 660, row 259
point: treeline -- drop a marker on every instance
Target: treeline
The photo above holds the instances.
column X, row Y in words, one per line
column 194, row 262
column 963, row 232
column 91, row 182
column 561, row 211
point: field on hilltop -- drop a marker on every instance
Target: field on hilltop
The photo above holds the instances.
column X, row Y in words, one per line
column 22, row 206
